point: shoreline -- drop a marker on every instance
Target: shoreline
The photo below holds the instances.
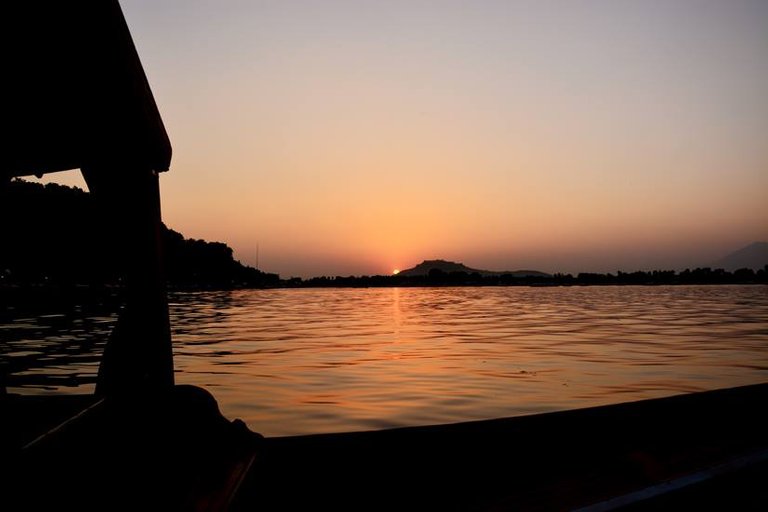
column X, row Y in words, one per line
column 54, row 291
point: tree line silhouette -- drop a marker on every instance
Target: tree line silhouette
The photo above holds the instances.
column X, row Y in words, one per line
column 54, row 234
column 437, row 277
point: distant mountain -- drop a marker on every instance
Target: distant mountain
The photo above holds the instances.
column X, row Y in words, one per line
column 754, row 256
column 424, row 268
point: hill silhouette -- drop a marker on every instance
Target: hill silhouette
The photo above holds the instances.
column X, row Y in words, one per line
column 425, row 267
column 53, row 234
column 753, row 256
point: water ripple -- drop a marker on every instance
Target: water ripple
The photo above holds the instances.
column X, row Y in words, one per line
column 322, row 360
column 426, row 355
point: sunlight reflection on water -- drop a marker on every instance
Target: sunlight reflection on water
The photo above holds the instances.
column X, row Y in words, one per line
column 297, row 361
column 322, row 360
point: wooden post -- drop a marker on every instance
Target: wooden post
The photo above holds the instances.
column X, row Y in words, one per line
column 138, row 357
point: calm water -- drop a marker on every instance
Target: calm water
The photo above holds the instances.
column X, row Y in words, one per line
column 322, row 360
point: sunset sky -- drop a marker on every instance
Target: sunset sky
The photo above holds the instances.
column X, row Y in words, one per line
column 356, row 137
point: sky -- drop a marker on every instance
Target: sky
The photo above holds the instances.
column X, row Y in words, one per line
column 356, row 137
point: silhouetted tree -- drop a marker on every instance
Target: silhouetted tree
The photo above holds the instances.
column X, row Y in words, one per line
column 53, row 234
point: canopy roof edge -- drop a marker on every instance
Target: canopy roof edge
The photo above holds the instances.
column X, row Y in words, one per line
column 75, row 91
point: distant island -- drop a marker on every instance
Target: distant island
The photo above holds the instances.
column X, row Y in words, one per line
column 427, row 266
column 51, row 237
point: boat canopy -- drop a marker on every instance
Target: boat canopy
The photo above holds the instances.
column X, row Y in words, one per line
column 76, row 95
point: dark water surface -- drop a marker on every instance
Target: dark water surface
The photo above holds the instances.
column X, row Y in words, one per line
column 294, row 361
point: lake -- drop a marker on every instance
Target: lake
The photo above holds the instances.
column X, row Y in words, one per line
column 298, row 361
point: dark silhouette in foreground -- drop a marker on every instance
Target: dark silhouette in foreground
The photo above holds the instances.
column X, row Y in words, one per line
column 701, row 451
column 77, row 98
column 170, row 450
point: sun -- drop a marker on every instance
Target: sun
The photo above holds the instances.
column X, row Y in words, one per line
column 396, row 271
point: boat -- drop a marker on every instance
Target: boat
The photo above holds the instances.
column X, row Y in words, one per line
column 80, row 100
column 697, row 451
